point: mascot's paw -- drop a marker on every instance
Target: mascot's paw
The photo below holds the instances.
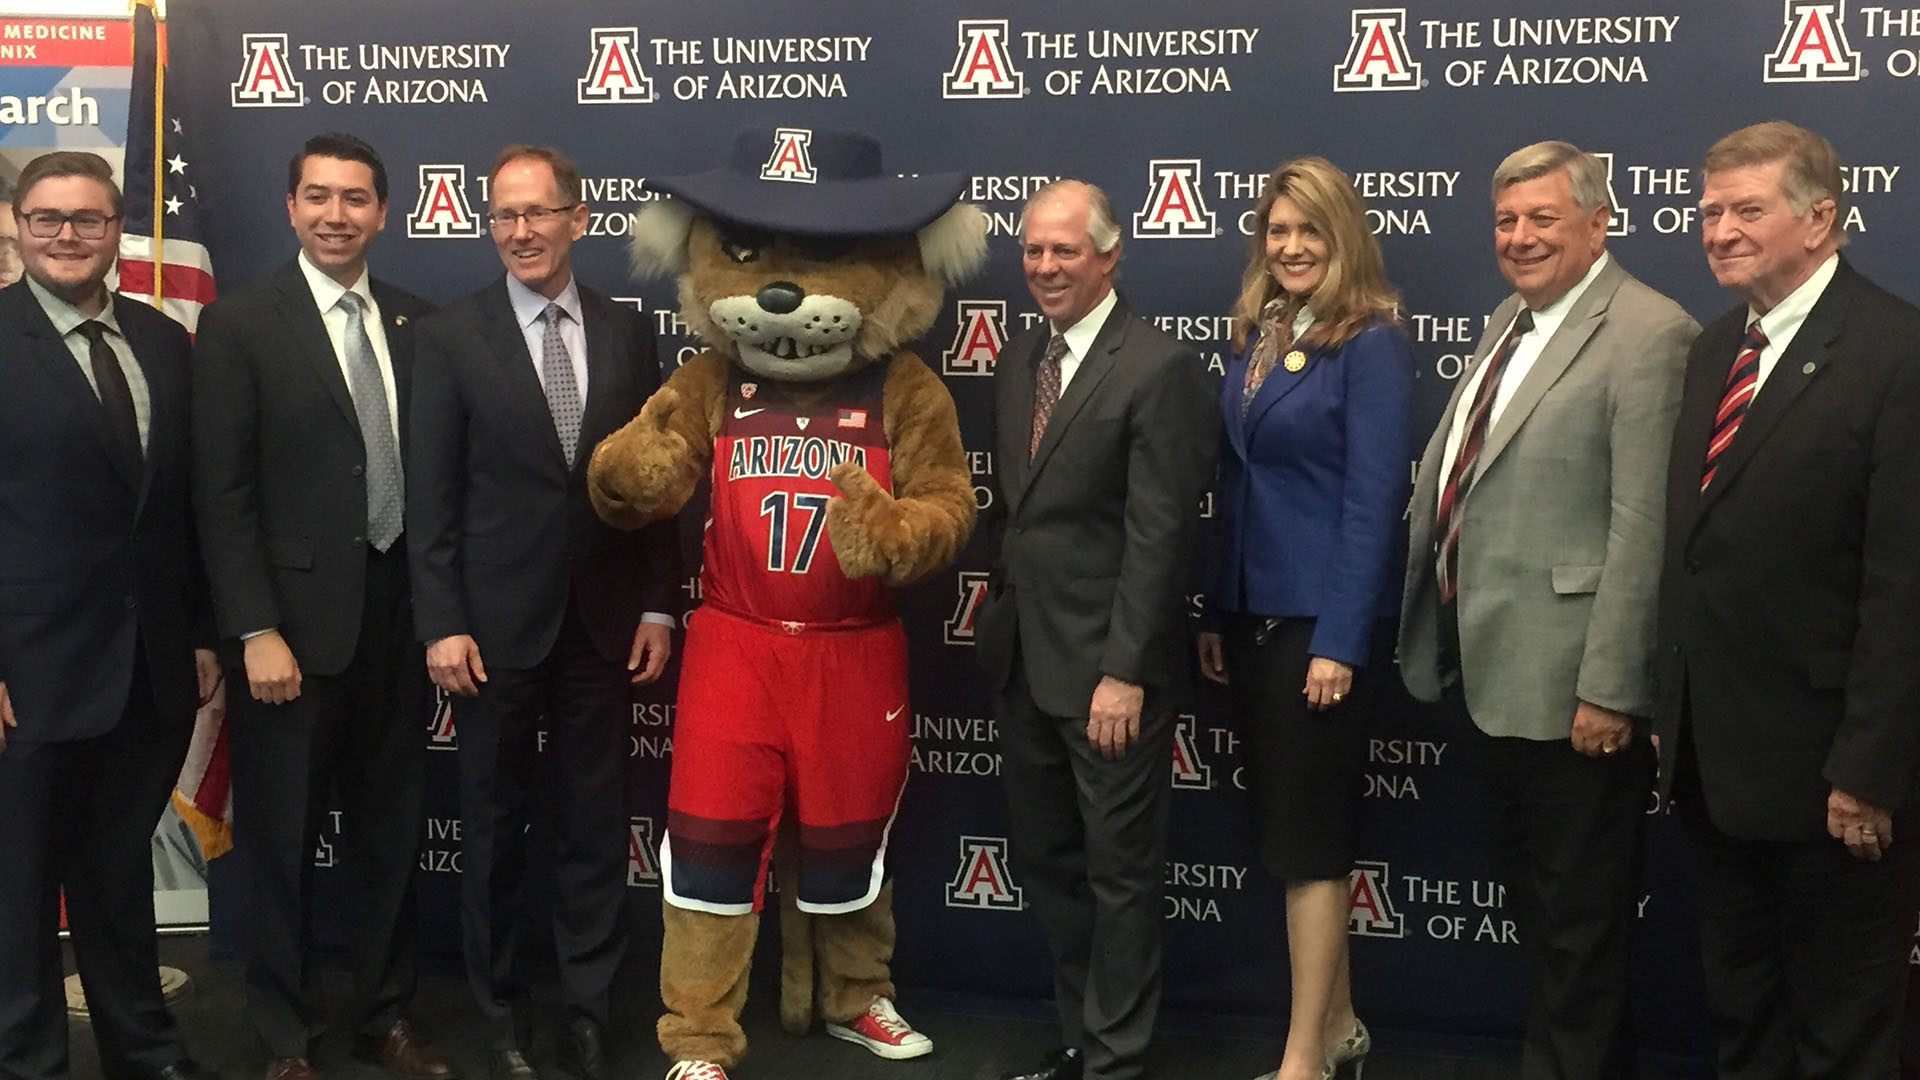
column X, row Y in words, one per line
column 636, row 470
column 868, row 531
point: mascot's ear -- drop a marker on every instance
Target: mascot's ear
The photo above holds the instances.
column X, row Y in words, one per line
column 955, row 245
column 659, row 245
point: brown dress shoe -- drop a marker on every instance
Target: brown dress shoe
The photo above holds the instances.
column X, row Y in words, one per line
column 402, row 1052
column 291, row 1069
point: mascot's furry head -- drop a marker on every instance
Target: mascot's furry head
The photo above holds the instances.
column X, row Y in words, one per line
column 803, row 259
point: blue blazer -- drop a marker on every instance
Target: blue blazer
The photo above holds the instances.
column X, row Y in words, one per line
column 1312, row 484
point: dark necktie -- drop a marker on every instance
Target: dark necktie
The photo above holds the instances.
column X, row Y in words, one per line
column 116, row 397
column 1460, row 478
column 1046, row 390
column 1743, row 381
column 386, row 486
column 556, row 379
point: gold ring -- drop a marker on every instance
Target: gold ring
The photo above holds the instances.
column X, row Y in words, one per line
column 1336, row 698
column 1608, row 749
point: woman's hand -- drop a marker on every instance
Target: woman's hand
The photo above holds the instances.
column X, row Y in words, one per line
column 1327, row 682
column 1213, row 657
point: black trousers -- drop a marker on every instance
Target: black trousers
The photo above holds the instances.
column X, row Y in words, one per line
column 582, row 700
column 80, row 817
column 1804, row 948
column 1089, row 847
column 1568, row 833
column 361, row 733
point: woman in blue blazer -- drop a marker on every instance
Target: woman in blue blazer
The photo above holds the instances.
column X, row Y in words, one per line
column 1313, row 479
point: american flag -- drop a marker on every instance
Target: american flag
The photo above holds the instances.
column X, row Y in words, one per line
column 162, row 233
column 162, row 227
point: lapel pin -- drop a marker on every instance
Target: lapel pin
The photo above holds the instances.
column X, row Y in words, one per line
column 1294, row 361
column 1808, row 370
column 399, row 320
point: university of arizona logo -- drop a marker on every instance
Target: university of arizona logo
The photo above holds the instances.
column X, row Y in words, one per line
column 266, row 76
column 1174, row 207
column 614, row 75
column 1377, row 56
column 1373, row 914
column 1619, row 225
column 979, row 329
column 982, row 68
column 1813, row 45
column 790, row 161
column 973, row 589
column 982, row 880
column 643, row 858
column 1190, row 771
column 442, row 210
column 440, row 731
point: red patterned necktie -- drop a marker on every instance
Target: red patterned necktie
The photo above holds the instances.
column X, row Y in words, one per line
column 1743, row 381
column 1460, row 477
column 1046, row 390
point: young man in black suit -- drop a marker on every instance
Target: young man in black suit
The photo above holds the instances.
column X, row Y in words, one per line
column 1789, row 622
column 1107, row 431
column 536, row 614
column 301, row 384
column 101, row 613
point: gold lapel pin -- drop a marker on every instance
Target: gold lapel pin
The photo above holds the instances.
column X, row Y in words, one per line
column 399, row 320
column 1808, row 370
column 1294, row 361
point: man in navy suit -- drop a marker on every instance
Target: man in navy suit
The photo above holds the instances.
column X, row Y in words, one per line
column 536, row 614
column 101, row 616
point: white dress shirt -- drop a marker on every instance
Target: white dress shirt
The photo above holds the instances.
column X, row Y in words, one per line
column 1546, row 321
column 326, row 296
column 1081, row 334
column 1783, row 322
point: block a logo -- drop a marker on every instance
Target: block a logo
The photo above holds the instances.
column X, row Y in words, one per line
column 1377, row 56
column 982, row 68
column 1373, row 914
column 440, row 730
column 442, row 210
column 982, row 880
column 1620, row 224
column 973, row 589
column 1813, row 45
column 643, row 858
column 614, row 76
column 790, row 161
column 1174, row 207
column 266, row 76
column 1190, row 771
column 979, row 330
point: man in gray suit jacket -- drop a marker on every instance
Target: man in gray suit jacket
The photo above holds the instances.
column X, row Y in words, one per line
column 1531, row 578
column 1106, row 434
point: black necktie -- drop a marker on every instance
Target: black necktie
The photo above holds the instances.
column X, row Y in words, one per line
column 115, row 396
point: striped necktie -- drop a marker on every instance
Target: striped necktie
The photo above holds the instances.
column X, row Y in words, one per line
column 1743, row 381
column 1453, row 497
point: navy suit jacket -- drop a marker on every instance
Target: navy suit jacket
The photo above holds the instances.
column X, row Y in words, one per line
column 1313, row 481
column 94, row 557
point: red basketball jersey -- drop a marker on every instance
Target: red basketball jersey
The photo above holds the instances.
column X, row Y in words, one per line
column 767, row 551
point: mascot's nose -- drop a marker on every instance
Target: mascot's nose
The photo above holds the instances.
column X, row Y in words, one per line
column 780, row 297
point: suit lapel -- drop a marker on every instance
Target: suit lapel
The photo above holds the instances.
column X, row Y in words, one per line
column 1575, row 330
column 162, row 409
column 1086, row 378
column 63, row 372
column 602, row 381
column 1427, row 481
column 508, row 341
column 1699, row 400
column 1016, row 435
column 309, row 333
column 1280, row 382
column 1792, row 373
column 399, row 331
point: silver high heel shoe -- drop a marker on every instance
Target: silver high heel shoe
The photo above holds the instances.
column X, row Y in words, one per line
column 1354, row 1048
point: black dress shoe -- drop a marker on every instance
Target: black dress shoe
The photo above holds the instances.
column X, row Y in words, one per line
column 1062, row 1064
column 184, row 1069
column 512, row 1065
column 583, row 1050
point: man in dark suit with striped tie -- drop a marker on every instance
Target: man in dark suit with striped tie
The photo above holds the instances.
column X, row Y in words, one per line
column 1789, row 718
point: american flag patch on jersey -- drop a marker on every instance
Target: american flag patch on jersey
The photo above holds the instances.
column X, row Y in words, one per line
column 853, row 418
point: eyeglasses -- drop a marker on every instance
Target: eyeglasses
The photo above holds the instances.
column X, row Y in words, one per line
column 535, row 216
column 87, row 224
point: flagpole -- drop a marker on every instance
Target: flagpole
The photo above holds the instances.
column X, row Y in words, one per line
column 159, row 132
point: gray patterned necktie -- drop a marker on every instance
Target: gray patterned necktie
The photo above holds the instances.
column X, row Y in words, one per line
column 556, row 378
column 386, row 487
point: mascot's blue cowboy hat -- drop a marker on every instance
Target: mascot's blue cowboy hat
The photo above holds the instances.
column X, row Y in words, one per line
column 814, row 182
